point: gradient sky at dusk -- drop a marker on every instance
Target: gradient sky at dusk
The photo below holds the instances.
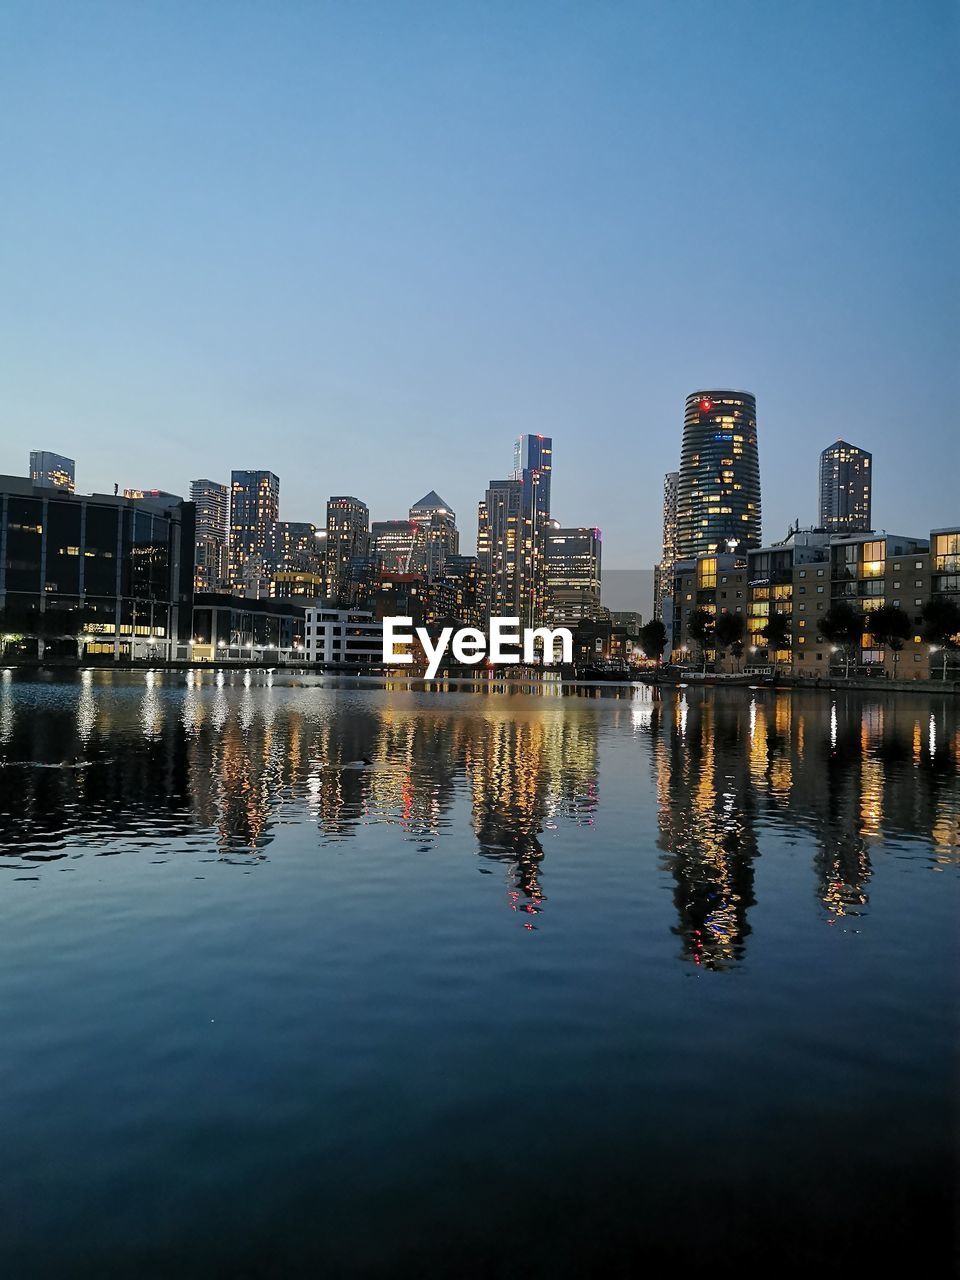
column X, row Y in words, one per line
column 365, row 245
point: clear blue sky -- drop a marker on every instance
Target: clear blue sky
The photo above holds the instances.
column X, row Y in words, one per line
column 366, row 244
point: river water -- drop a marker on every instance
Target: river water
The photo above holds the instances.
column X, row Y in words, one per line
column 559, row 984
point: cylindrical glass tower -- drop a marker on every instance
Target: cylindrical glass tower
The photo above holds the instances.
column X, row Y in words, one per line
column 718, row 493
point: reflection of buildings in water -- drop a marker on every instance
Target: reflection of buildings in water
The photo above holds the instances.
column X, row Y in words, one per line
column 527, row 770
column 414, row 781
column 706, row 813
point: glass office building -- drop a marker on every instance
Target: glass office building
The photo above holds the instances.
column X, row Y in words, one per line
column 112, row 575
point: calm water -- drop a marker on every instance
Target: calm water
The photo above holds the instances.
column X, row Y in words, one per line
column 561, row 985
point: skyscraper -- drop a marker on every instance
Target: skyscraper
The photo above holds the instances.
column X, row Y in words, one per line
column 297, row 560
column 718, row 488
column 572, row 567
column 438, row 529
column 212, row 500
column 663, row 572
column 254, row 508
column 533, row 457
column 846, row 485
column 499, row 536
column 348, row 538
column 52, row 470
column 512, row 522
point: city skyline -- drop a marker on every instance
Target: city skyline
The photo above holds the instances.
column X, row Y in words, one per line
column 296, row 249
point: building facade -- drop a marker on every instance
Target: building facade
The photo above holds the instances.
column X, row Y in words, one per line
column 439, row 538
column 846, row 488
column 230, row 628
column 111, row 576
column 50, row 470
column 572, row 561
column 718, row 485
column 663, row 572
column 512, row 522
column 398, row 545
column 254, row 509
column 343, row 638
column 716, row 583
column 348, row 538
column 297, row 560
column 212, row 503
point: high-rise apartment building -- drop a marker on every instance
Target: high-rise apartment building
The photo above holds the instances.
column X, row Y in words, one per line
column 438, row 533
column 212, row 501
column 718, row 487
column 52, row 470
column 348, row 538
column 254, row 508
column 297, row 560
column 500, row 533
column 572, row 566
column 398, row 545
column 512, row 523
column 663, row 572
column 846, row 486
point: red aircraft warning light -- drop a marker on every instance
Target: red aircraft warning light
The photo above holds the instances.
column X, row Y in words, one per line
column 706, row 405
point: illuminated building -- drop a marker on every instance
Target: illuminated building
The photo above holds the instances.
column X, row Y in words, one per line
column 52, row 470
column 236, row 629
column 663, row 572
column 212, row 501
column 117, row 571
column 439, row 538
column 716, row 583
column 297, row 560
column 254, row 507
column 945, row 563
column 533, row 464
column 348, row 537
column 155, row 495
column 846, row 484
column 789, row 578
column 500, row 533
column 512, row 521
column 572, row 567
column 398, row 545
column 342, row 637
column 866, row 572
column 463, row 591
column 718, row 489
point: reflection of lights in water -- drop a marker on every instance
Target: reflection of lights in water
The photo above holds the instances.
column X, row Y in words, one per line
column 833, row 724
column 220, row 708
column 641, row 713
column 192, row 715
column 219, row 679
column 932, row 736
column 683, row 709
column 86, row 707
column 753, row 718
column 871, row 797
column 151, row 712
column 7, row 713
column 246, row 705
